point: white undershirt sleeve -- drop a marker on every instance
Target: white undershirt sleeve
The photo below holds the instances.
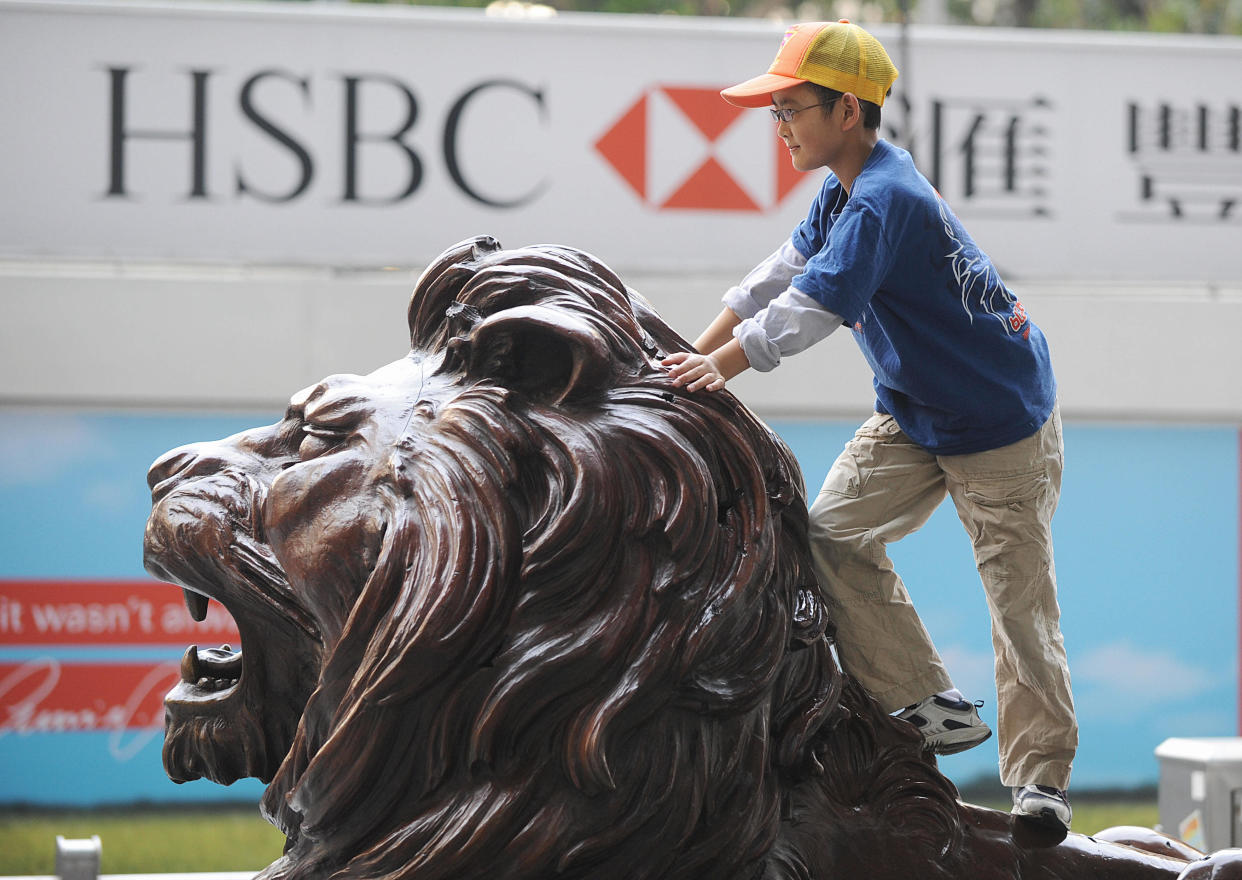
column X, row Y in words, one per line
column 791, row 323
column 765, row 282
column 778, row 319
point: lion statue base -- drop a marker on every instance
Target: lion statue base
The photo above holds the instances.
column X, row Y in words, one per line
column 514, row 606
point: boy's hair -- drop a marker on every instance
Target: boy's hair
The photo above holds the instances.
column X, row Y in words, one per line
column 870, row 111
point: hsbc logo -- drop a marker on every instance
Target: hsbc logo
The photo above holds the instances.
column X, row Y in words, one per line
column 685, row 148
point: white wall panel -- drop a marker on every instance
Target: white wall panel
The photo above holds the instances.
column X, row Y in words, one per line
column 217, row 337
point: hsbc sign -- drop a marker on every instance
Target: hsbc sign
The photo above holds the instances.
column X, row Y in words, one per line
column 678, row 148
column 684, row 148
column 276, row 133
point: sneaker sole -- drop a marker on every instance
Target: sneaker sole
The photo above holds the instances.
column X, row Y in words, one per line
column 947, row 745
column 1046, row 817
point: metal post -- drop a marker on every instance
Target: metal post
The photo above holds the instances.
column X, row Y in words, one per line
column 78, row 859
column 904, row 43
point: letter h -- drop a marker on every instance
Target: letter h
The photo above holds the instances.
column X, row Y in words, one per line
column 197, row 135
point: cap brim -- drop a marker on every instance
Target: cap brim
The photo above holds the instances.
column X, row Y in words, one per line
column 757, row 92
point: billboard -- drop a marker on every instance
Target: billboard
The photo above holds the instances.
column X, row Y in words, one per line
column 377, row 136
column 89, row 644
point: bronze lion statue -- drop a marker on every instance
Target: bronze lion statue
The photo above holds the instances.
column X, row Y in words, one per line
column 513, row 606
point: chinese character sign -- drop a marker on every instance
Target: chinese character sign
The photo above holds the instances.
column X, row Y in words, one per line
column 1187, row 162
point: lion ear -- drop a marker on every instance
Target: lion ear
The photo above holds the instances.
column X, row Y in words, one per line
column 543, row 352
column 442, row 281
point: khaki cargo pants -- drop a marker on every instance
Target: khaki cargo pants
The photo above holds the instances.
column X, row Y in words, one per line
column 882, row 488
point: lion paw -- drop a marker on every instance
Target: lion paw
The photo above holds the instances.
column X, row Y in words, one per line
column 1223, row 865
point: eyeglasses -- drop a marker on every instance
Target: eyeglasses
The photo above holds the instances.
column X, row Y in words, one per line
column 786, row 114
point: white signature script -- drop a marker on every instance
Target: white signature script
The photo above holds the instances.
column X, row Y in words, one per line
column 127, row 732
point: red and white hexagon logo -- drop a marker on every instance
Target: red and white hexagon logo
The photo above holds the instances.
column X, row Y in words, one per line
column 686, row 148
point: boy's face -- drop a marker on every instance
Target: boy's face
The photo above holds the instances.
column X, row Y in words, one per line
column 813, row 136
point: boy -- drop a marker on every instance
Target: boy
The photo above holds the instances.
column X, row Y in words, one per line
column 965, row 406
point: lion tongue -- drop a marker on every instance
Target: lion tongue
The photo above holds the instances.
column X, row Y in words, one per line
column 196, row 603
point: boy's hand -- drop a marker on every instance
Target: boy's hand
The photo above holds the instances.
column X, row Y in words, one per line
column 696, row 372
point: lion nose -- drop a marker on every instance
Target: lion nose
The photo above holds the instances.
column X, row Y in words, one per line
column 170, row 464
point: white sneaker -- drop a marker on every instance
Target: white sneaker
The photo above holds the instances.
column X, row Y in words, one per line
column 948, row 726
column 1043, row 803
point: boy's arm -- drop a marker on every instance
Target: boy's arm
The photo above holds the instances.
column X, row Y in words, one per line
column 792, row 323
column 763, row 294
column 718, row 332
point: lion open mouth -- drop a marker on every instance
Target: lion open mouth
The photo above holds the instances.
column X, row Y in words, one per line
column 234, row 710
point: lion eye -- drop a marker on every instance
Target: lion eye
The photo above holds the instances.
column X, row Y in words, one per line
column 317, row 440
column 330, row 434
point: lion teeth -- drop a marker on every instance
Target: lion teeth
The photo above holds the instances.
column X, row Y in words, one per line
column 190, row 672
column 215, row 684
column 196, row 603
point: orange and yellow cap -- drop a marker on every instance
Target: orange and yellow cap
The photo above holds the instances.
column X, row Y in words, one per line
column 834, row 54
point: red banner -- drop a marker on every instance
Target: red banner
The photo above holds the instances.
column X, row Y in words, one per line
column 106, row 613
column 50, row 696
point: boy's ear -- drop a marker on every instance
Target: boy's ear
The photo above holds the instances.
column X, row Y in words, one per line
column 853, row 110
